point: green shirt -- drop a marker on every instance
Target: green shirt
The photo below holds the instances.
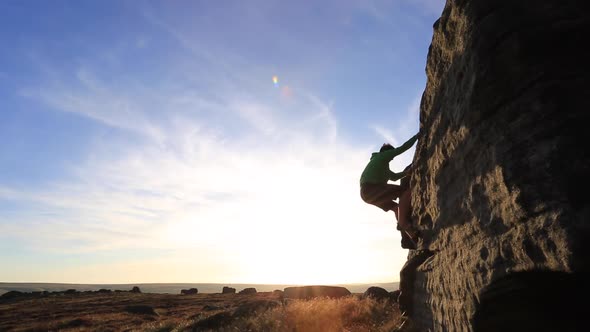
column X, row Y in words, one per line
column 377, row 170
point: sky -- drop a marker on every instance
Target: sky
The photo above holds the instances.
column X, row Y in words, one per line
column 204, row 141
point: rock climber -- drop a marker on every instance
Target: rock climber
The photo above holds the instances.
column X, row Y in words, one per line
column 376, row 189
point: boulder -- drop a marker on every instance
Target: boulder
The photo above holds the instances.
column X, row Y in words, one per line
column 228, row 290
column 135, row 289
column 394, row 296
column 248, row 291
column 309, row 292
column 214, row 322
column 11, row 295
column 376, row 293
column 190, row 291
column 501, row 167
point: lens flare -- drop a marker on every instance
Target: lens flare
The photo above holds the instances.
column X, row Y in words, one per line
column 275, row 80
column 286, row 91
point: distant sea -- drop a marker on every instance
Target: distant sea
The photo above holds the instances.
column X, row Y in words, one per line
column 173, row 288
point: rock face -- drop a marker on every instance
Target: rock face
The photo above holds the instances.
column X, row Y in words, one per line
column 309, row 292
column 502, row 164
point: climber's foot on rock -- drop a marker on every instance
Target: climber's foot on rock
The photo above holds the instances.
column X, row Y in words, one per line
column 408, row 242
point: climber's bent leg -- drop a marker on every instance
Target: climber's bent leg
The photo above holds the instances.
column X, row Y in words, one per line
column 405, row 225
column 382, row 195
column 404, row 219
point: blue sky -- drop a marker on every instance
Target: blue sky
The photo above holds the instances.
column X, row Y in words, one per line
column 147, row 142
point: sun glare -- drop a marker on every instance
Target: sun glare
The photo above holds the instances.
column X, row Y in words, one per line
column 280, row 232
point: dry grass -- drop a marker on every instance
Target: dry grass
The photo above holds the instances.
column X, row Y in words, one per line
column 323, row 315
column 201, row 312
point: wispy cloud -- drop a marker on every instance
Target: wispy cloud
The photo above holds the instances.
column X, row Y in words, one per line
column 203, row 186
column 386, row 134
column 257, row 163
column 85, row 95
column 222, row 163
column 404, row 128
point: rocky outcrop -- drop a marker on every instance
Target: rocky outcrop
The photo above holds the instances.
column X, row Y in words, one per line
column 191, row 291
column 228, row 290
column 11, row 295
column 248, row 291
column 309, row 292
column 377, row 293
column 502, row 163
column 394, row 295
column 213, row 322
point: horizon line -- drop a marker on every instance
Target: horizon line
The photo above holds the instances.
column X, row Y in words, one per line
column 212, row 283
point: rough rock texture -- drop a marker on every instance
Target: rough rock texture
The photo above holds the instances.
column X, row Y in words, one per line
column 502, row 163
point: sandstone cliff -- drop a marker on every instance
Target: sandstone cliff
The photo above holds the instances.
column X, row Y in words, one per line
column 502, row 166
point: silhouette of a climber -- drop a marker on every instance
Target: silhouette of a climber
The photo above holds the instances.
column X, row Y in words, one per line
column 376, row 190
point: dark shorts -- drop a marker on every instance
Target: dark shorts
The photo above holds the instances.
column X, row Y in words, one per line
column 381, row 195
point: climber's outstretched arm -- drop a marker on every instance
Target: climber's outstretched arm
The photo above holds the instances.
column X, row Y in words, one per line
column 390, row 154
column 393, row 176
